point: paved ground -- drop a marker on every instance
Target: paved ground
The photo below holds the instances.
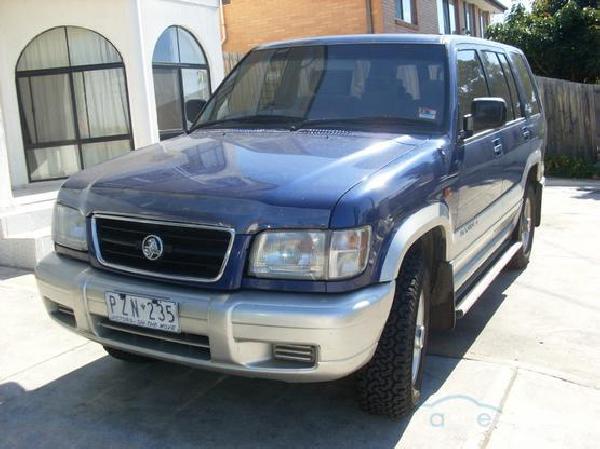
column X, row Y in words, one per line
column 521, row 370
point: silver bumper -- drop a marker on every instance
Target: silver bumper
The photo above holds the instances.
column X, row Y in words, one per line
column 241, row 327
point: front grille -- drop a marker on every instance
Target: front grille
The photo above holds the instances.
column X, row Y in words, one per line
column 182, row 345
column 190, row 252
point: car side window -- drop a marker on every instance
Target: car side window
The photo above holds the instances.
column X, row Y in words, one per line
column 514, row 93
column 530, row 99
column 471, row 80
column 497, row 83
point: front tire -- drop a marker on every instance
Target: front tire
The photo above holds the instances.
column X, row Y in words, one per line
column 390, row 383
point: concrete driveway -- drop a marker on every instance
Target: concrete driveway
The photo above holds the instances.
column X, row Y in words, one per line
column 521, row 370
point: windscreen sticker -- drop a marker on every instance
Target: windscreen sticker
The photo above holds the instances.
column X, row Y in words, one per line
column 427, row 113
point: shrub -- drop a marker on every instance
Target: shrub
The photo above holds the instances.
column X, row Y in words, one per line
column 562, row 166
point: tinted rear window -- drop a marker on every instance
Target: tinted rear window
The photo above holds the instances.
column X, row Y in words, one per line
column 529, row 97
column 497, row 82
column 514, row 94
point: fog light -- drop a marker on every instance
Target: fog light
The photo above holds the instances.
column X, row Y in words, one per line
column 295, row 353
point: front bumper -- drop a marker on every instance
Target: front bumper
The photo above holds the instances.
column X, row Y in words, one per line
column 240, row 327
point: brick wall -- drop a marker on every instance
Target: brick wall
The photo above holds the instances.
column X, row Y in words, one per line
column 252, row 22
column 461, row 25
column 426, row 18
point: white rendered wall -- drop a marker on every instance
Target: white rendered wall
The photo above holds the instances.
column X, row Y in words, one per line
column 132, row 26
column 5, row 188
column 201, row 21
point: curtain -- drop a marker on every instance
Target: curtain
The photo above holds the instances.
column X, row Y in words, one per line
column 45, row 51
column 168, row 101
column 452, row 15
column 409, row 77
column 441, row 17
column 195, row 86
column 101, row 103
column 52, row 162
column 29, row 135
column 87, row 47
column 100, row 97
column 53, row 108
column 95, row 153
column 407, row 11
column 50, row 97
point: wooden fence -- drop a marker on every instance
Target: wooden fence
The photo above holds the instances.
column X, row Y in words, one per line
column 573, row 117
column 572, row 113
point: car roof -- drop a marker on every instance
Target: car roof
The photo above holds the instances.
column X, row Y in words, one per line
column 448, row 40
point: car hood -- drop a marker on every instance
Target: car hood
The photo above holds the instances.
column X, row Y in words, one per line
column 245, row 179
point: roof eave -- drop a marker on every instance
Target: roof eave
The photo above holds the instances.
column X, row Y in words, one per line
column 497, row 4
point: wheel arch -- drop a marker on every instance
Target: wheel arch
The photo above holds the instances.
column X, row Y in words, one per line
column 434, row 219
column 534, row 175
column 430, row 228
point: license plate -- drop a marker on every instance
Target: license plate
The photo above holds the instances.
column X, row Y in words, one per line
column 143, row 311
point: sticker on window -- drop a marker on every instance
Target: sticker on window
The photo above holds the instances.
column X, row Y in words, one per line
column 427, row 113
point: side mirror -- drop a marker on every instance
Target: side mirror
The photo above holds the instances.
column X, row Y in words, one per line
column 193, row 108
column 488, row 113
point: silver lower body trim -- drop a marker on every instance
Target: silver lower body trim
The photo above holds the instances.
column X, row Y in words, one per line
column 481, row 286
column 241, row 328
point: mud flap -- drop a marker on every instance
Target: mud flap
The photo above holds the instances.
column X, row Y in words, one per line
column 442, row 312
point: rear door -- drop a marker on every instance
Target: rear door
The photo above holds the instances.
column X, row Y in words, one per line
column 511, row 141
column 479, row 183
column 532, row 127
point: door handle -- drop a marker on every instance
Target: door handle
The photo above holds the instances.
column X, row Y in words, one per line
column 498, row 149
column 526, row 133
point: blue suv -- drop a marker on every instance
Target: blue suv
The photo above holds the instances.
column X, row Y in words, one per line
column 337, row 200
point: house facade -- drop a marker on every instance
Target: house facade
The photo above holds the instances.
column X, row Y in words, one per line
column 249, row 23
column 82, row 81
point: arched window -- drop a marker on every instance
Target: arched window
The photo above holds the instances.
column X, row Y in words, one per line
column 73, row 102
column 180, row 75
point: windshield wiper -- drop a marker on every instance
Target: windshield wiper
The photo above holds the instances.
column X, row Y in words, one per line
column 370, row 121
column 258, row 119
column 294, row 122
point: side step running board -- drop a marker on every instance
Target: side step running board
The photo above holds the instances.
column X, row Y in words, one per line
column 481, row 286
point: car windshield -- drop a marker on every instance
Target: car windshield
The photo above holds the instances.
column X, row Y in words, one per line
column 389, row 87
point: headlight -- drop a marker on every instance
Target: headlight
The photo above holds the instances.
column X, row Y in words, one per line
column 313, row 255
column 293, row 255
column 69, row 228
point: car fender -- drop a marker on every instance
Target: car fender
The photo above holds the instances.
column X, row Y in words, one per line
column 533, row 159
column 409, row 231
